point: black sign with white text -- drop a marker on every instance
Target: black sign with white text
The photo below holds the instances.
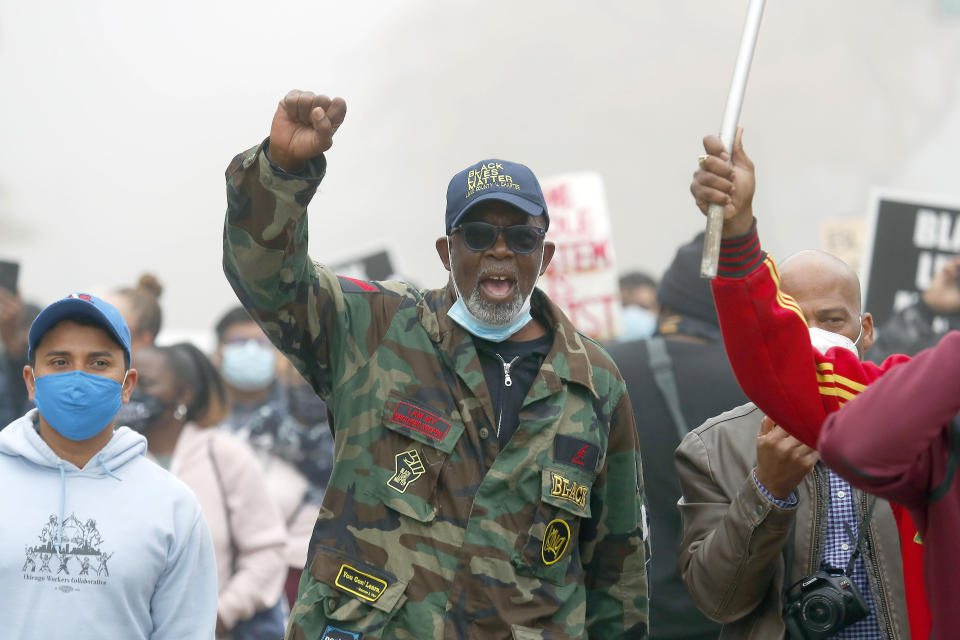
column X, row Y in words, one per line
column 912, row 240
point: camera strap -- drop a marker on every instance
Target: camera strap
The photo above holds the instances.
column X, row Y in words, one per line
column 861, row 534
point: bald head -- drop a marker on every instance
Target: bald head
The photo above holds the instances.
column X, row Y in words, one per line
column 815, row 273
column 828, row 292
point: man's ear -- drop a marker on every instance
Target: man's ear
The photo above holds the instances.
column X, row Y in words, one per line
column 548, row 250
column 128, row 384
column 866, row 322
column 443, row 250
column 28, row 379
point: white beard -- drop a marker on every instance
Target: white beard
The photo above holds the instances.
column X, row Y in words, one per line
column 495, row 314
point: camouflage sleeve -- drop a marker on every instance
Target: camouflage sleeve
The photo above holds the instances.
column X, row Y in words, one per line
column 616, row 550
column 299, row 304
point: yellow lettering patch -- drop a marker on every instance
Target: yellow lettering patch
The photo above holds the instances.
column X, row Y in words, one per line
column 363, row 585
column 555, row 541
column 568, row 490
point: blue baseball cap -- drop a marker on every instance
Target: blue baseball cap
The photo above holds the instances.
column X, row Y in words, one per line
column 81, row 305
column 493, row 179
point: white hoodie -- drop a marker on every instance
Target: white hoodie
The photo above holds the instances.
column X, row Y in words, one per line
column 118, row 549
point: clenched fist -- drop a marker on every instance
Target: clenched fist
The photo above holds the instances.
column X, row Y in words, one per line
column 782, row 460
column 303, row 128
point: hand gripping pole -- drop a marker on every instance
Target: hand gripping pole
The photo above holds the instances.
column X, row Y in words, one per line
column 731, row 114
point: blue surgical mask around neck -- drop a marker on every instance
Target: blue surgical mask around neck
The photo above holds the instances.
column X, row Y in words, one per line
column 78, row 405
column 460, row 314
column 494, row 333
column 249, row 366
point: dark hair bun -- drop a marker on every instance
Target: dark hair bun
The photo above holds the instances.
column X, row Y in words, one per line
column 149, row 285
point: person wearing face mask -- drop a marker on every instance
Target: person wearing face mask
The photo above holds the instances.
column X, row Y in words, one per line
column 179, row 388
column 789, row 360
column 760, row 509
column 248, row 364
column 113, row 545
column 638, row 306
column 267, row 412
column 677, row 379
column 486, row 479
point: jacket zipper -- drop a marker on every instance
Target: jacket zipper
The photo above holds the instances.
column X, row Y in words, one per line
column 817, row 519
column 507, row 382
column 882, row 608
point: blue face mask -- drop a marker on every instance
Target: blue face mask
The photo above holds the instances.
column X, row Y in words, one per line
column 637, row 323
column 78, row 405
column 494, row 333
column 249, row 366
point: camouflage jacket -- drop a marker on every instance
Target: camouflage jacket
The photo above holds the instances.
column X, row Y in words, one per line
column 428, row 529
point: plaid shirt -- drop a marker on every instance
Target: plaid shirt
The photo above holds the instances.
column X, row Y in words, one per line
column 839, row 547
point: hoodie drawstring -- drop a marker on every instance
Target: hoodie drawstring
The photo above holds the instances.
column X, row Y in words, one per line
column 63, row 496
column 63, row 506
column 105, row 470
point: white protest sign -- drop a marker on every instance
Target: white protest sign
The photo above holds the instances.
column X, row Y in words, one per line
column 582, row 278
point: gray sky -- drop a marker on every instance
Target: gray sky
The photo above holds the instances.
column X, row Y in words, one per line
column 119, row 118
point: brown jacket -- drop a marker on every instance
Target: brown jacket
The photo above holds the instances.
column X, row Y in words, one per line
column 731, row 556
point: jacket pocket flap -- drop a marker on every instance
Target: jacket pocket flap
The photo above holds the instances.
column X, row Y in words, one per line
column 372, row 585
column 567, row 489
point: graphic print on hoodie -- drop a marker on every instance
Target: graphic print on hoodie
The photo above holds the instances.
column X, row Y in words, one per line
column 80, row 547
column 117, row 549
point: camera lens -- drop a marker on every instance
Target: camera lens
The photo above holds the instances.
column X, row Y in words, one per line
column 820, row 613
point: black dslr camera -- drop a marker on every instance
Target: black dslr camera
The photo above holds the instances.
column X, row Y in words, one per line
column 822, row 604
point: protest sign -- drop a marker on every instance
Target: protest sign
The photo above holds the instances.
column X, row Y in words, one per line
column 844, row 238
column 910, row 238
column 374, row 265
column 582, row 278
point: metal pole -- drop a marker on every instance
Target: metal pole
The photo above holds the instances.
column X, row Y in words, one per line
column 731, row 115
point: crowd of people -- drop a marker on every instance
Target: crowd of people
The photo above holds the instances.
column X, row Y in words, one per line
column 374, row 460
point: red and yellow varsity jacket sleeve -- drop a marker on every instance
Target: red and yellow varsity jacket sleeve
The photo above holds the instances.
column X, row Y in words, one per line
column 768, row 343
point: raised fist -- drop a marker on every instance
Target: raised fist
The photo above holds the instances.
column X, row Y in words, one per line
column 303, row 128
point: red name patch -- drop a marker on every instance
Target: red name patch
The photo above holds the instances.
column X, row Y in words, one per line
column 422, row 421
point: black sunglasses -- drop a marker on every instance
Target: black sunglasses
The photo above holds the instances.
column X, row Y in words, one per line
column 480, row 236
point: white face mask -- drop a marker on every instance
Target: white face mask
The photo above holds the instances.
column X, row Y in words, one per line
column 824, row 340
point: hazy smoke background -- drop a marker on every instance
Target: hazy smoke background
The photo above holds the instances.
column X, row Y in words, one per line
column 120, row 117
